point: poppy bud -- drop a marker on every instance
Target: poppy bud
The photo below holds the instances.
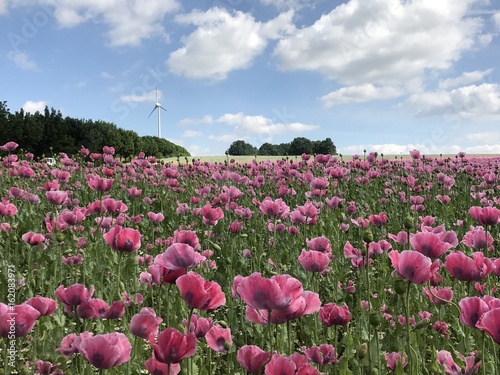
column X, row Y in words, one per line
column 363, row 350
column 423, row 323
column 400, row 286
column 368, row 236
column 60, row 237
column 408, row 223
column 375, row 319
column 374, row 371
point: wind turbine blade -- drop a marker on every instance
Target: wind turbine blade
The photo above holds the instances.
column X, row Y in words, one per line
column 152, row 112
column 160, row 106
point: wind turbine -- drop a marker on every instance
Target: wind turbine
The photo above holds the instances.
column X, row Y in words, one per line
column 158, row 106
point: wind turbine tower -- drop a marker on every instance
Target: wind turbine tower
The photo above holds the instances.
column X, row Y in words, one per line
column 157, row 107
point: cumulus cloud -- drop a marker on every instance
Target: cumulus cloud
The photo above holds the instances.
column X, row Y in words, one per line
column 3, row 7
column 483, row 137
column 360, row 94
column 207, row 119
column 223, row 41
column 191, row 134
column 32, row 107
column 383, row 42
column 474, row 102
column 465, row 79
column 22, row 60
column 146, row 97
column 128, row 22
column 496, row 19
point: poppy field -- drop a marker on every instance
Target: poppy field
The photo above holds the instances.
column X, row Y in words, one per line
column 308, row 265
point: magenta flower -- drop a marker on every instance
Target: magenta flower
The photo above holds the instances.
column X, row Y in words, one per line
column 123, row 239
column 332, row 314
column 413, row 265
column 446, row 360
column 17, row 320
column 489, row 322
column 9, row 146
column 74, row 295
column 277, row 208
column 471, row 309
column 198, row 326
column 158, row 368
column 280, row 292
column 200, row 294
column 325, row 354
column 70, row 344
column 252, row 358
column 7, row 209
column 429, row 244
column 57, row 197
column 393, row 358
column 107, row 350
column 486, row 216
column 211, row 216
column 33, row 239
column 463, row 268
column 145, row 323
column 179, row 255
column 173, row 346
column 445, row 295
column 98, row 183
column 47, row 368
column 45, row 306
column 322, row 244
column 314, row 261
column 378, row 220
column 219, row 339
column 478, row 238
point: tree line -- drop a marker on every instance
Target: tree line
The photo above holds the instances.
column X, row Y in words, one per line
column 298, row 146
column 49, row 133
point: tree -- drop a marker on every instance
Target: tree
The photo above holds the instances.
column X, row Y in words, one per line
column 268, row 149
column 324, row 147
column 241, row 148
column 301, row 145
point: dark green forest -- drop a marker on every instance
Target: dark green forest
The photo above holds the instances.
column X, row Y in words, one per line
column 49, row 133
column 298, row 146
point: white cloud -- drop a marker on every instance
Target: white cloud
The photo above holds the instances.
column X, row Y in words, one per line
column 360, row 94
column 288, row 4
column 191, row 134
column 3, row 7
column 207, row 119
column 465, row 79
column 398, row 149
column 107, row 75
column 128, row 22
column 32, row 107
column 22, row 60
column 383, row 42
column 483, row 137
column 474, row 102
column 146, row 97
column 496, row 19
column 223, row 42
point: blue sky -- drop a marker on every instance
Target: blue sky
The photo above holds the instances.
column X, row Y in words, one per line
column 382, row 75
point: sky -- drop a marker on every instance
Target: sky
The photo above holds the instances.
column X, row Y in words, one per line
column 378, row 75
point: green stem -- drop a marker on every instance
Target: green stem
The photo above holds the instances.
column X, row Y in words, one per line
column 407, row 326
column 119, row 274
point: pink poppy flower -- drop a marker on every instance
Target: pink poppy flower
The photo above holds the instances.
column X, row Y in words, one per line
column 463, row 268
column 429, row 244
column 332, row 314
column 211, row 216
column 486, row 216
column 280, row 365
column 156, row 217
column 277, row 208
column 322, row 244
column 57, row 197
column 123, row 239
column 74, row 295
column 378, row 220
column 17, row 320
column 33, row 239
column 173, row 346
column 7, row 209
column 70, row 344
column 314, row 261
column 489, row 322
column 199, row 326
column 161, row 275
column 107, row 350
column 393, row 358
column 145, row 323
column 413, row 265
column 219, row 339
column 98, row 183
column 445, row 295
column 45, row 306
column 325, row 354
column 252, row 358
column 9, row 146
column 280, row 292
column 471, row 309
column 446, row 360
column 200, row 294
column 179, row 255
column 477, row 238
column 158, row 368
column 47, row 368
